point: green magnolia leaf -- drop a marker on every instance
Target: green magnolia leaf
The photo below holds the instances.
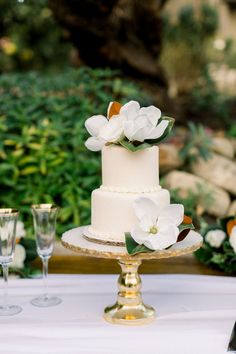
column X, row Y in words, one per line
column 186, row 226
column 130, row 145
column 166, row 132
column 141, row 249
column 133, row 247
column 130, row 243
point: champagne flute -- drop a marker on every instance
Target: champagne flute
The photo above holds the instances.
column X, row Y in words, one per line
column 8, row 220
column 44, row 218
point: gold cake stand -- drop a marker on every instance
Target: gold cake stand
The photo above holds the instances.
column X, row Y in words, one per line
column 129, row 308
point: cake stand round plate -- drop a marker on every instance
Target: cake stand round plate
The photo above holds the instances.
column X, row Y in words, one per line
column 129, row 308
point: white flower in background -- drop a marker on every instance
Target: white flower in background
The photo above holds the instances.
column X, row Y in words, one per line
column 19, row 257
column 158, row 227
column 20, row 229
column 215, row 238
column 142, row 123
column 8, row 228
column 232, row 238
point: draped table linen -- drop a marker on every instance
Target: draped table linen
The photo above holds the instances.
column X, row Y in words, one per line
column 195, row 315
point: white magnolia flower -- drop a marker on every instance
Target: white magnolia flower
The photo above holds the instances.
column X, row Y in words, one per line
column 142, row 123
column 232, row 238
column 130, row 121
column 158, row 227
column 113, row 131
column 215, row 238
column 103, row 130
column 9, row 228
column 93, row 125
column 19, row 257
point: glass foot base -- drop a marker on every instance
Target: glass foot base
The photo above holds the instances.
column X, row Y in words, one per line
column 46, row 301
column 10, row 310
column 129, row 315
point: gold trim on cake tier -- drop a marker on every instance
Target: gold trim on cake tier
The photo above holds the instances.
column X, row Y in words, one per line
column 101, row 242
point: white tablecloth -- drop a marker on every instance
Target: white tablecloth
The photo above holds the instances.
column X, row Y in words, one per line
column 195, row 314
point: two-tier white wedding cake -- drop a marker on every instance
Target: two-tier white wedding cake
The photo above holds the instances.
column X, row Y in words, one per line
column 128, row 138
column 126, row 176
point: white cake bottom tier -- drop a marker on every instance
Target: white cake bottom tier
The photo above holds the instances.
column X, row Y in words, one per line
column 113, row 212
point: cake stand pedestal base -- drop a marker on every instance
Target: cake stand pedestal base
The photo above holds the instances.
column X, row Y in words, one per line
column 129, row 308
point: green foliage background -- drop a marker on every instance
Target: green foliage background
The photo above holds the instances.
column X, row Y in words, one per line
column 42, row 135
column 30, row 38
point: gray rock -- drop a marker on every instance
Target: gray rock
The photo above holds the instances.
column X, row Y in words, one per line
column 212, row 199
column 169, row 158
column 218, row 170
column 223, row 146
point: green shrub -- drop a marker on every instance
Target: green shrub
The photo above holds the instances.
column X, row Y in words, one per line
column 196, row 145
column 42, row 135
column 186, row 39
column 205, row 98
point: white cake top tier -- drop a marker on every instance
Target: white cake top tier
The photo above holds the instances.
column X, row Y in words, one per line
column 126, row 171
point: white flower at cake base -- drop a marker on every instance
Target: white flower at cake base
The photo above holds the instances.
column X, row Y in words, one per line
column 20, row 230
column 215, row 238
column 232, row 238
column 157, row 228
column 20, row 253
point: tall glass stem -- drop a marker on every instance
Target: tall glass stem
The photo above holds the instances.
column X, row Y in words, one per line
column 5, row 291
column 45, row 276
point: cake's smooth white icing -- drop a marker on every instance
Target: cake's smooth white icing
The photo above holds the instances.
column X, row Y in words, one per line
column 124, row 170
column 126, row 176
column 113, row 212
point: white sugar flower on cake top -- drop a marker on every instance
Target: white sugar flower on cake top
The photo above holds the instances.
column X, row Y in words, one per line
column 130, row 126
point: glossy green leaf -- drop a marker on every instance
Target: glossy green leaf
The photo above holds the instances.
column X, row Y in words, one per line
column 133, row 247
column 130, row 146
column 166, row 132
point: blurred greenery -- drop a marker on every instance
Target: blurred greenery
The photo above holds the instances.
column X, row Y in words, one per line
column 30, row 38
column 196, row 203
column 185, row 40
column 196, row 145
column 232, row 130
column 221, row 258
column 193, row 26
column 42, row 135
column 205, row 97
